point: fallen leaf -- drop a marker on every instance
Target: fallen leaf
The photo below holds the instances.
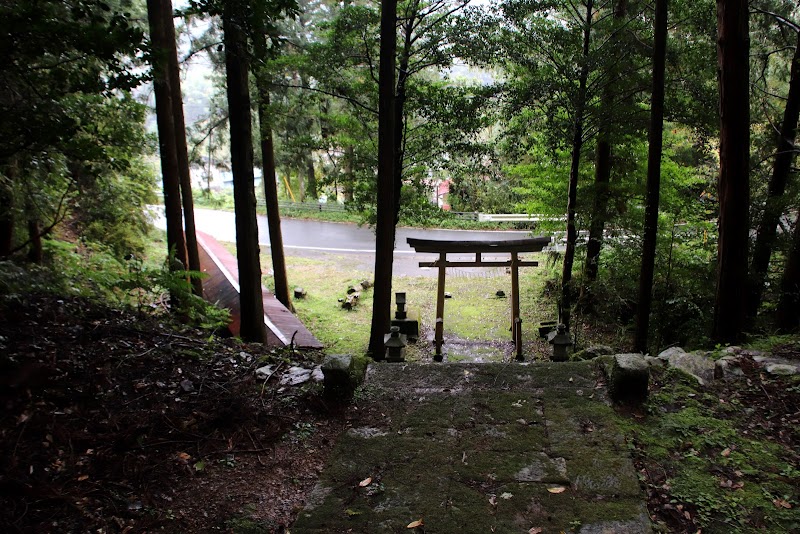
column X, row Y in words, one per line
column 557, row 489
column 352, row 513
column 493, row 500
column 780, row 503
column 415, row 524
column 82, row 478
column 199, row 466
column 726, row 453
column 184, row 456
column 366, row 482
column 506, row 496
column 535, row 530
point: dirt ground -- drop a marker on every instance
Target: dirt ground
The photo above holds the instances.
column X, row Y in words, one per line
column 115, row 421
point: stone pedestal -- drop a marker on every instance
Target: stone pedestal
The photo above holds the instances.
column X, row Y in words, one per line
column 409, row 325
column 337, row 369
column 629, row 378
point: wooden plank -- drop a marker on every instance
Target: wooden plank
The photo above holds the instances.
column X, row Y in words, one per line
column 535, row 244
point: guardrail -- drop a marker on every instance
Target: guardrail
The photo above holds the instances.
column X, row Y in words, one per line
column 517, row 217
column 284, row 205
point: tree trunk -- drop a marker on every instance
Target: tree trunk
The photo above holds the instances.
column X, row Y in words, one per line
column 311, row 179
column 785, row 153
column 572, row 193
column 35, row 253
column 399, row 109
column 269, row 180
column 384, row 228
column 7, row 209
column 166, row 136
column 655, row 148
column 301, row 183
column 349, row 178
column 733, row 48
column 180, row 145
column 787, row 316
column 244, row 196
column 602, row 175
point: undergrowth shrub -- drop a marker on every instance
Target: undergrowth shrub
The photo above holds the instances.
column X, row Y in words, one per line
column 93, row 271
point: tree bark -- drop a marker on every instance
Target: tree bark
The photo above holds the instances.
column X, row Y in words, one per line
column 399, row 106
column 349, row 178
column 244, row 196
column 7, row 209
column 384, row 228
column 572, row 193
column 166, row 136
column 733, row 48
column 787, row 316
column 269, row 178
column 35, row 252
column 602, row 175
column 311, row 179
column 785, row 153
column 655, row 149
column 180, row 145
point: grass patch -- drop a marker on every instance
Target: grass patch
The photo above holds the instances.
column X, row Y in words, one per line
column 711, row 460
column 474, row 313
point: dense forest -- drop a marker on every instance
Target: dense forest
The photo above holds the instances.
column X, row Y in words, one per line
column 654, row 141
column 662, row 135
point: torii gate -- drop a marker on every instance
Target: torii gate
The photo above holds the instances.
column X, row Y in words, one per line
column 513, row 247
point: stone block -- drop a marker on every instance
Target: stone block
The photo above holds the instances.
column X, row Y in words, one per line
column 671, row 352
column 696, row 364
column 337, row 369
column 629, row 378
column 409, row 326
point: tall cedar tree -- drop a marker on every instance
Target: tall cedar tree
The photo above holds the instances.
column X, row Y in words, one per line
column 733, row 49
column 602, row 173
column 384, row 228
column 268, row 171
column 244, row 196
column 655, row 150
column 170, row 42
column 572, row 194
column 784, row 156
column 166, row 133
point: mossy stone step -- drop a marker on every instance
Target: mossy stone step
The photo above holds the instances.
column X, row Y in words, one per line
column 480, row 448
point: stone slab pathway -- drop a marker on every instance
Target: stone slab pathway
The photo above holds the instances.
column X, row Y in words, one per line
column 473, row 448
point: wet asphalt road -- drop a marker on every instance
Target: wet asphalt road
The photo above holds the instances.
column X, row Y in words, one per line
column 311, row 238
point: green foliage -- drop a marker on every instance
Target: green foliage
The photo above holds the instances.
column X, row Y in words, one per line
column 90, row 270
column 148, row 287
column 60, row 48
column 698, row 439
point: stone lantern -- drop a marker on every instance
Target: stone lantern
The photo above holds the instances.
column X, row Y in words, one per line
column 400, row 301
column 561, row 341
column 395, row 344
